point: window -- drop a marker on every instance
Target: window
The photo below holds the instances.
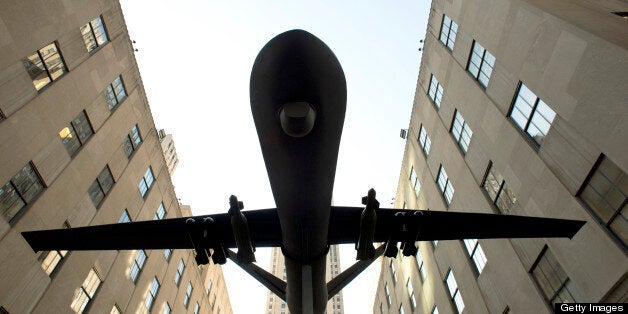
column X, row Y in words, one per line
column 461, row 132
column 435, row 310
column 401, row 309
column 213, row 302
column 152, row 293
column 146, row 182
column 435, row 92
column 138, row 264
column 51, row 259
column 445, row 185
column 132, row 141
column 86, row 292
column 161, row 212
column 188, row 295
column 434, row 243
column 387, row 294
column 167, row 254
column 552, row 279
column 414, row 181
column 381, row 308
column 167, row 309
column 76, row 133
column 497, row 191
column 94, row 34
column 604, row 193
column 21, row 190
column 115, row 93
column 420, row 263
column 411, row 294
column 393, row 272
column 476, row 253
column 45, row 65
column 124, row 217
column 481, row 64
column 448, row 31
column 101, row 186
column 531, row 114
column 196, row 308
column 424, row 141
column 454, row 292
column 179, row 274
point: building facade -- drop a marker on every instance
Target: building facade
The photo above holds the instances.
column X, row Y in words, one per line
column 169, row 150
column 520, row 109
column 275, row 305
column 78, row 147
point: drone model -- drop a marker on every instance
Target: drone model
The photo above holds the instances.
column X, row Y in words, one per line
column 298, row 99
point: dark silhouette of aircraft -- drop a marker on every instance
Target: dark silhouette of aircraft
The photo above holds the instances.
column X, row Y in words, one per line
column 298, row 99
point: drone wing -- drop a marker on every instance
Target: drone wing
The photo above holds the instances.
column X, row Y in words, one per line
column 176, row 233
column 421, row 225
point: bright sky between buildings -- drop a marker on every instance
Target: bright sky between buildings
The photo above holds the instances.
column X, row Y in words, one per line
column 195, row 58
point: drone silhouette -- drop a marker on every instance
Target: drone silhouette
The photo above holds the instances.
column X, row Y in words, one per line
column 298, row 99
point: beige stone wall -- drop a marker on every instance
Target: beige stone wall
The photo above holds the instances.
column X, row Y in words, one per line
column 573, row 57
column 29, row 133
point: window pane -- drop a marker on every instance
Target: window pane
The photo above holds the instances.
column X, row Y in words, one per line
column 69, row 140
column 80, row 301
column 143, row 187
column 148, row 176
column 110, row 97
column 53, row 61
column 505, row 200
column 106, row 180
column 27, row 183
column 118, row 88
column 91, row 284
column 99, row 31
column 128, row 146
column 10, row 201
column 35, row 68
column 88, row 37
column 619, row 226
column 95, row 193
column 136, row 139
column 82, row 127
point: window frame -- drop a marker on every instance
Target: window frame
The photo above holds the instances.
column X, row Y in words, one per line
column 447, row 184
column 129, row 144
column 483, row 61
column 617, row 212
column 150, row 295
column 125, row 214
column 414, row 181
column 426, row 143
column 495, row 203
column 533, row 111
column 411, row 295
column 438, row 87
column 456, row 293
column 101, row 188
column 138, row 265
column 93, row 34
column 144, row 194
column 73, row 130
column 22, row 195
column 83, row 291
column 26, row 61
column 113, row 91
column 545, row 253
column 459, row 119
column 479, row 261
column 179, row 274
column 448, row 35
column 188, row 295
column 420, row 262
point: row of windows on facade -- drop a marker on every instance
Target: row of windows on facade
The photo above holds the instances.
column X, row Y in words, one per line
column 46, row 65
column 603, row 193
column 548, row 275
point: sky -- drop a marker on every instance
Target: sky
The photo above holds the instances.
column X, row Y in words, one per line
column 195, row 59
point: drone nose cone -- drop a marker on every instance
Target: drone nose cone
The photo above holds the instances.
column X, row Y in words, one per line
column 297, row 118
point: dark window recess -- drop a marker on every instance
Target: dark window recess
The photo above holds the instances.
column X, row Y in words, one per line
column 552, row 279
column 101, row 186
column 76, row 133
column 21, row 190
column 495, row 187
column 132, row 141
column 115, row 93
column 604, row 193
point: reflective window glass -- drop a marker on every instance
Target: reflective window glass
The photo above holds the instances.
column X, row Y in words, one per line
column 533, row 116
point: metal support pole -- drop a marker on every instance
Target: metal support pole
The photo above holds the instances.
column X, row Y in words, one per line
column 307, row 297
